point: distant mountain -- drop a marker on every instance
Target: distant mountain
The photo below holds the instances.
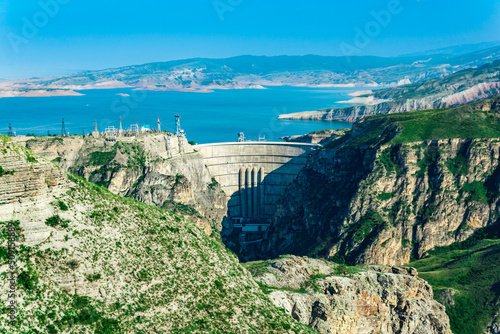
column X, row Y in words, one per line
column 200, row 74
column 454, row 90
column 456, row 50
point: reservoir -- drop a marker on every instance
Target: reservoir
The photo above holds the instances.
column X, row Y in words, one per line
column 206, row 117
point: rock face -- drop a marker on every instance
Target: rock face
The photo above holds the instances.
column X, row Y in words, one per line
column 384, row 204
column 27, row 180
column 374, row 300
column 354, row 113
column 161, row 170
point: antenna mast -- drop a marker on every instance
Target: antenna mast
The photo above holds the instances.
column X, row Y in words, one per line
column 63, row 129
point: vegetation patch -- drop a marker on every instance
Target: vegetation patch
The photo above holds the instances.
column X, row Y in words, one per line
column 388, row 158
column 471, row 270
column 56, row 221
column 28, row 279
column 431, row 155
column 385, row 196
column 370, row 222
column 101, row 158
column 458, row 165
column 5, row 172
column 180, row 208
column 213, row 185
column 62, row 206
column 476, row 191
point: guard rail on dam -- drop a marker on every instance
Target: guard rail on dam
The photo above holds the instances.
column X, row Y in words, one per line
column 254, row 175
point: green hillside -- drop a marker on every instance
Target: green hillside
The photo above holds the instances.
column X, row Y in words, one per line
column 470, row 269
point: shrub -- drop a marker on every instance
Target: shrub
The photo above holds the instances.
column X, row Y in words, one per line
column 56, row 221
column 93, row 277
column 5, row 172
column 62, row 206
column 385, row 196
column 477, row 192
column 28, row 279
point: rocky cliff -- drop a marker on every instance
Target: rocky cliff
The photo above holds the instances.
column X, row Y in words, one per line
column 161, row 170
column 337, row 299
column 380, row 195
column 87, row 260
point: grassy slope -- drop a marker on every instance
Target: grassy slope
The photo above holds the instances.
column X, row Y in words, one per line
column 472, row 270
column 136, row 269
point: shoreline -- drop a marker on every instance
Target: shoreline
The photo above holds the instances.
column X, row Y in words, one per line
column 9, row 92
column 38, row 93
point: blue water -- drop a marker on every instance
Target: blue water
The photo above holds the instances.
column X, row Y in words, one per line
column 206, row 117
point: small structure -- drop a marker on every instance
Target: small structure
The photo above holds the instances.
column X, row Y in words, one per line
column 120, row 131
column 110, row 133
column 241, row 137
column 63, row 129
column 95, row 134
column 133, row 130
column 11, row 132
column 178, row 131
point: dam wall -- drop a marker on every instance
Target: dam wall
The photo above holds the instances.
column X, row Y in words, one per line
column 254, row 174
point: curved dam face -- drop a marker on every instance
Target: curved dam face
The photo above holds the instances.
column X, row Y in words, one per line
column 253, row 175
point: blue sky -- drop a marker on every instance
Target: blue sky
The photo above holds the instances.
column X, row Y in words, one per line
column 92, row 34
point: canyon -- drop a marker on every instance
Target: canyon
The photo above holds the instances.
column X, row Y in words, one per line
column 355, row 209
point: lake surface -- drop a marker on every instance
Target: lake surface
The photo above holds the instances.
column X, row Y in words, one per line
column 205, row 117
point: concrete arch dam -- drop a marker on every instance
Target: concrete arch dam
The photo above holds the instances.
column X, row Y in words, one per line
column 254, row 175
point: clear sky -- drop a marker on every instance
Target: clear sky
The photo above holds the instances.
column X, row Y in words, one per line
column 97, row 34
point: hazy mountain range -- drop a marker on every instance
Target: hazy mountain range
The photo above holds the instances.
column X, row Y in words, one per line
column 202, row 74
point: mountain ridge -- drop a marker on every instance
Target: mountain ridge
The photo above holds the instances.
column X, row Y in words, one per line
column 205, row 74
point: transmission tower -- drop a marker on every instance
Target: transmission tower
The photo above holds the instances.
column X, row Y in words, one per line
column 178, row 130
column 177, row 124
column 11, row 132
column 63, row 129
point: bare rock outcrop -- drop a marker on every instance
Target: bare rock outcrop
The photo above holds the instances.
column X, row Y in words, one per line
column 373, row 300
column 27, row 179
